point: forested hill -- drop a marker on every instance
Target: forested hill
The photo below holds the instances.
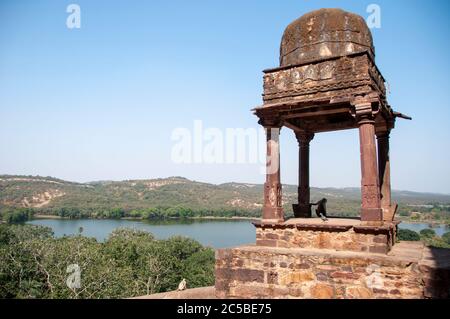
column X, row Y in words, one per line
column 50, row 195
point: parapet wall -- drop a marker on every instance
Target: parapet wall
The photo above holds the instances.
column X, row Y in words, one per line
column 270, row 272
column 341, row 235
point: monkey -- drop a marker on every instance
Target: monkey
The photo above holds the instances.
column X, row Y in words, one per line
column 321, row 209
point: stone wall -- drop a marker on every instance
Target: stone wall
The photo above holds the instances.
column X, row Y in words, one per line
column 349, row 238
column 265, row 272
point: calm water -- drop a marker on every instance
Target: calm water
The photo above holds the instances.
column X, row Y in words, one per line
column 439, row 229
column 213, row 233
column 217, row 234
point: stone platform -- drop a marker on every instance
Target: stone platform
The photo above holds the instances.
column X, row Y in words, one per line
column 343, row 234
column 193, row 293
column 409, row 270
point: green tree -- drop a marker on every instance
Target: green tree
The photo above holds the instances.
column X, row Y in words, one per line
column 446, row 237
column 408, row 235
column 199, row 268
column 427, row 233
column 5, row 235
column 129, row 263
column 17, row 215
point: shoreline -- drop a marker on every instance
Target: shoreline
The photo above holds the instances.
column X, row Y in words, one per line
column 434, row 223
column 45, row 216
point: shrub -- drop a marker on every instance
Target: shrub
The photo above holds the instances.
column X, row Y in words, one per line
column 407, row 234
column 446, row 237
column 18, row 215
column 427, row 233
column 33, row 263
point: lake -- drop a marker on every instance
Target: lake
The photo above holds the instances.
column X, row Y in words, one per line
column 213, row 233
column 440, row 229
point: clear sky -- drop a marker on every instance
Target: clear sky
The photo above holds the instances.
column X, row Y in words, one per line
column 101, row 102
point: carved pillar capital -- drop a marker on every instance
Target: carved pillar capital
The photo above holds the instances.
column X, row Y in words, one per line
column 304, row 138
column 363, row 111
column 383, row 134
column 269, row 123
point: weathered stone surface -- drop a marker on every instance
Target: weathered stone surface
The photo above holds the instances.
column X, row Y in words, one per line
column 296, row 277
column 322, row 273
column 358, row 292
column 321, row 276
column 249, row 275
column 269, row 243
column 193, row 293
column 378, row 249
column 344, row 274
column 272, row 278
column 303, row 266
column 271, row 236
column 322, row 291
column 324, row 33
column 284, row 236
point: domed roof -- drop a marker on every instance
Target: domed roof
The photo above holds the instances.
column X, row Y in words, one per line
column 324, row 33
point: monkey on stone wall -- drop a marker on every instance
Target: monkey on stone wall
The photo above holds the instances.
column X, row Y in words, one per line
column 321, row 209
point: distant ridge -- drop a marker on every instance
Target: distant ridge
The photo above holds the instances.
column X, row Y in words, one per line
column 50, row 193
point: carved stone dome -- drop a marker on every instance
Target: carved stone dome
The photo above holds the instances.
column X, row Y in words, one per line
column 324, row 33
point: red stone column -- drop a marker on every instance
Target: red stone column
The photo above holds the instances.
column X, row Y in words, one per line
column 273, row 210
column 303, row 209
column 384, row 170
column 370, row 191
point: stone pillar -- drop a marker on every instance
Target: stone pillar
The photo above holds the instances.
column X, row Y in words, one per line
column 273, row 210
column 384, row 171
column 303, row 209
column 370, row 188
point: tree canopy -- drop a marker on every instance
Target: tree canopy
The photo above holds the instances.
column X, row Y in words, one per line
column 129, row 263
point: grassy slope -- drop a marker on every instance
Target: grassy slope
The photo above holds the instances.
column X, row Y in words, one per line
column 48, row 194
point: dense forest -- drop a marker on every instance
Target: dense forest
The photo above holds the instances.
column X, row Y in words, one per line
column 35, row 264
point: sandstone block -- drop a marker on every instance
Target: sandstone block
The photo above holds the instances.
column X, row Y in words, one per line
column 358, row 292
column 322, row 291
column 296, row 277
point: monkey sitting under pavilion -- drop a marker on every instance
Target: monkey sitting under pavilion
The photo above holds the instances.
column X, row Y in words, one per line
column 321, row 209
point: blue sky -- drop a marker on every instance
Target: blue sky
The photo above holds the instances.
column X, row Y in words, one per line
column 101, row 102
